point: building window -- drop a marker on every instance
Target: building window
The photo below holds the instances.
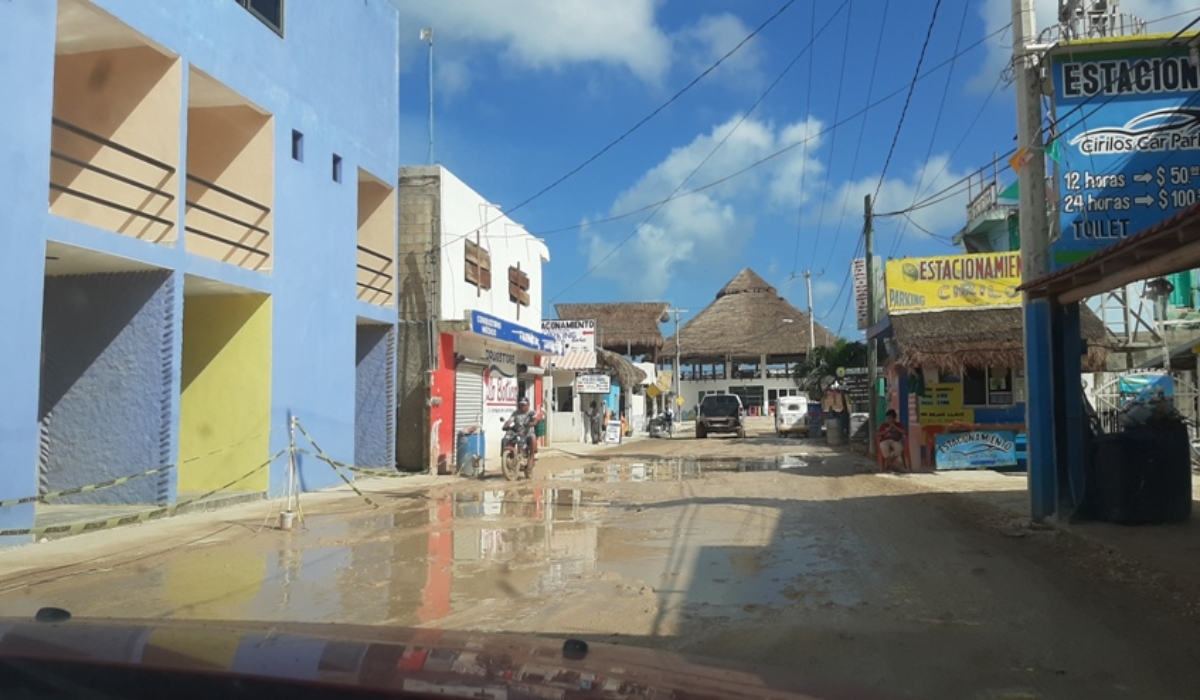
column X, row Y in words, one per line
column 297, row 146
column 987, row 387
column 269, row 12
column 478, row 267
column 564, row 399
column 518, row 286
column 337, row 168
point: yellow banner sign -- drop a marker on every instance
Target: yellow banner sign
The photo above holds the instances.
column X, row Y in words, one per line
column 942, row 404
column 953, row 282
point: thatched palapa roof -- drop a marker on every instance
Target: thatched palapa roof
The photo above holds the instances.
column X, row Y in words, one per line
column 628, row 328
column 952, row 340
column 626, row 374
column 748, row 318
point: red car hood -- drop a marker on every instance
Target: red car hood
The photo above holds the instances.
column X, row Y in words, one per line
column 413, row 662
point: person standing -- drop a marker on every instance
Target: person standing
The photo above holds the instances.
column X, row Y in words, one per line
column 592, row 421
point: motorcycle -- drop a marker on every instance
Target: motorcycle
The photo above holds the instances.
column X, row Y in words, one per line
column 662, row 425
column 514, row 455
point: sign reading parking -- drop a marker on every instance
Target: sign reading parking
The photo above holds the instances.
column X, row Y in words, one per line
column 1129, row 145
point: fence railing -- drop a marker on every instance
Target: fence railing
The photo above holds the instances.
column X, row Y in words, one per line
column 244, row 225
column 376, row 265
column 108, row 173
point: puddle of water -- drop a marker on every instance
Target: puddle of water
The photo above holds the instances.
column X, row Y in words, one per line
column 683, row 468
column 423, row 561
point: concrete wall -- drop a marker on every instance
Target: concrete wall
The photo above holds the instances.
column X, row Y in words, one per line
column 333, row 76
column 464, row 210
column 26, row 29
column 420, row 226
column 374, row 419
column 105, row 386
column 225, row 400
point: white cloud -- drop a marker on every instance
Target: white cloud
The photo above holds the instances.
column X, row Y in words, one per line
column 453, row 77
column 550, row 34
column 713, row 36
column 998, row 13
column 712, row 225
column 944, row 218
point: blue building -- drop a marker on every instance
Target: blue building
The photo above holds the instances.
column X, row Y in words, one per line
column 198, row 242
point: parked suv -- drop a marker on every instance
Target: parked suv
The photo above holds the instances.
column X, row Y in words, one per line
column 720, row 413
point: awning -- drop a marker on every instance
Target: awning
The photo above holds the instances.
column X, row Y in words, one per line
column 1170, row 246
column 575, row 360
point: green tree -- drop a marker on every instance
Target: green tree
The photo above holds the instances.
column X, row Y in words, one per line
column 819, row 369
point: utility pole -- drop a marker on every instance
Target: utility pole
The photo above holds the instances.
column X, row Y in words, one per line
column 676, row 312
column 1040, row 394
column 812, row 332
column 427, row 35
column 872, row 355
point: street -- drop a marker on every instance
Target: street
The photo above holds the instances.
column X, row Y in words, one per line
column 770, row 551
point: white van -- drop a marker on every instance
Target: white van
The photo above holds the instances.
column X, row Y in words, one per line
column 791, row 415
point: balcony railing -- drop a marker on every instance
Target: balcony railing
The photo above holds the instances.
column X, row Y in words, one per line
column 156, row 191
column 245, row 228
column 378, row 279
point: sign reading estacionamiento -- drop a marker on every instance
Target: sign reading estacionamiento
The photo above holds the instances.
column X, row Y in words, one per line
column 953, row 282
column 1128, row 143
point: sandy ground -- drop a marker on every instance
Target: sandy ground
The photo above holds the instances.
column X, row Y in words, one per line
column 769, row 551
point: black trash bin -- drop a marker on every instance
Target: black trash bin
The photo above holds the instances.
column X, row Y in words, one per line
column 1142, row 475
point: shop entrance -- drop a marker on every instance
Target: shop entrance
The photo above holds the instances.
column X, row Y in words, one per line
column 225, row 390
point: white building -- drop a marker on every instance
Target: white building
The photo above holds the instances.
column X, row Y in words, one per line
column 470, row 314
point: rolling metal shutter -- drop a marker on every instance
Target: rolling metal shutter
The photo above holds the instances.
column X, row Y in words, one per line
column 468, row 397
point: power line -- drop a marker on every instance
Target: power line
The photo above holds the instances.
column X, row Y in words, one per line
column 837, row 111
column 912, row 86
column 937, row 122
column 641, row 122
column 702, row 163
column 862, row 129
column 795, row 144
column 807, row 116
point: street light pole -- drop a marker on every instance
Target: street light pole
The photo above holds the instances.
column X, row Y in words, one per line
column 678, row 352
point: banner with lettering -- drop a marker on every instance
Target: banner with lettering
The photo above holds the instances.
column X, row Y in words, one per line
column 976, row 449
column 953, row 282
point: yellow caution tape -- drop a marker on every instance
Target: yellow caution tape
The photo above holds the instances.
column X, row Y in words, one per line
column 76, row 528
column 321, row 454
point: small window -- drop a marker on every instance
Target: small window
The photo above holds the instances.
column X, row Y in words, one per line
column 337, row 168
column 974, row 384
column 478, row 266
column 518, row 286
column 297, row 146
column 269, row 12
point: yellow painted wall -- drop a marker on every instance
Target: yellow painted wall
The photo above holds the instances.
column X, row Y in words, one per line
column 233, row 148
column 376, row 232
column 225, row 402
column 132, row 97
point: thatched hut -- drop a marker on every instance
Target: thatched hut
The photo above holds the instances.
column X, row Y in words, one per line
column 621, row 369
column 951, row 341
column 627, row 328
column 749, row 342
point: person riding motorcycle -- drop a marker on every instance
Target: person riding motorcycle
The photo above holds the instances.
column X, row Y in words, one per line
column 522, row 422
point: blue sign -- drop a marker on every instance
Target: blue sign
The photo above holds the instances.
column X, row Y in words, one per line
column 497, row 328
column 976, row 449
column 1128, row 145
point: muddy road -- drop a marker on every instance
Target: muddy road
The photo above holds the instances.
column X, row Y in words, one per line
column 770, row 551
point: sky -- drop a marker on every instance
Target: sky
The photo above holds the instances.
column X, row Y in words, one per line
column 526, row 91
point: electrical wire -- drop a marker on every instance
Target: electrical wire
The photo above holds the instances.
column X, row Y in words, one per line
column 937, row 122
column 658, row 207
column 807, row 114
column 861, row 131
column 912, row 86
column 762, row 161
column 837, row 111
column 640, row 123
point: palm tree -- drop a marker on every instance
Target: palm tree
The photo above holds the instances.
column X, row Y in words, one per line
column 820, row 367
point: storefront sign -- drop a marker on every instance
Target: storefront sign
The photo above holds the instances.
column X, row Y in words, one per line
column 1135, row 159
column 612, row 432
column 572, row 335
column 593, row 384
column 942, row 404
column 491, row 327
column 856, row 382
column 499, row 390
column 978, row 448
column 953, row 282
